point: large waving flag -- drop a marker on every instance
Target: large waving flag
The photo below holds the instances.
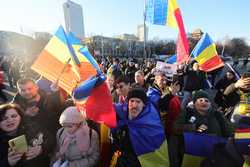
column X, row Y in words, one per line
column 206, row 55
column 66, row 61
column 55, row 62
column 167, row 12
column 146, row 135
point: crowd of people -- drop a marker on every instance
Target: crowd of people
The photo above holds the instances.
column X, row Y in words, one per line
column 58, row 135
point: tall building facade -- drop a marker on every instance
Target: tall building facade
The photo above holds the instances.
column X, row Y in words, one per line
column 140, row 33
column 73, row 17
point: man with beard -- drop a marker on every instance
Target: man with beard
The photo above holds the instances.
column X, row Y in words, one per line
column 138, row 128
column 242, row 103
column 37, row 105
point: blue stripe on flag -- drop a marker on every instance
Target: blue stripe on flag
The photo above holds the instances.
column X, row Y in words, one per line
column 243, row 146
column 156, row 11
column 73, row 40
column 203, row 43
column 172, row 59
column 60, row 34
column 90, row 58
column 198, row 144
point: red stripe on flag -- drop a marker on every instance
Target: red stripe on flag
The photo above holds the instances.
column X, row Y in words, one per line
column 212, row 64
column 182, row 32
column 99, row 106
column 247, row 130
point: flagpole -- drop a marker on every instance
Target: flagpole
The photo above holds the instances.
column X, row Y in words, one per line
column 144, row 30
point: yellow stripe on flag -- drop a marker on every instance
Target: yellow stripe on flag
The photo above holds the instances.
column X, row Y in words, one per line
column 58, row 49
column 50, row 67
column 206, row 54
column 243, row 135
column 246, row 164
column 171, row 20
column 158, row 158
column 191, row 161
column 78, row 54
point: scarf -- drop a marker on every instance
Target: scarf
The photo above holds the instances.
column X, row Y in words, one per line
column 81, row 137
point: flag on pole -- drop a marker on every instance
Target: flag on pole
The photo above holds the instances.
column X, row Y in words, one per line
column 55, row 62
column 167, row 12
column 78, row 74
column 206, row 55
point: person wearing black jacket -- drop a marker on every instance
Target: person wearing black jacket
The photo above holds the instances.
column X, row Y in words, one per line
column 40, row 142
column 39, row 106
column 194, row 80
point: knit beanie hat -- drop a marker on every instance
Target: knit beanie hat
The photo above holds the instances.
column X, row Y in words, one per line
column 71, row 115
column 137, row 93
column 201, row 94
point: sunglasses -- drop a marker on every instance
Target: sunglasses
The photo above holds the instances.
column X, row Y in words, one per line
column 203, row 100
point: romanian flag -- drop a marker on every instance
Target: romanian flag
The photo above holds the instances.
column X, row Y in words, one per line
column 206, row 55
column 146, row 135
column 167, row 12
column 55, row 62
column 242, row 140
column 92, row 90
column 85, row 67
column 199, row 146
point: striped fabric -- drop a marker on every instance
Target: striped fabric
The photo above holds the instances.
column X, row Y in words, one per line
column 167, row 12
column 206, row 55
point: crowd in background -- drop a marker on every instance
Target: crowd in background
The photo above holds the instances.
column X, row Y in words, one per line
column 58, row 135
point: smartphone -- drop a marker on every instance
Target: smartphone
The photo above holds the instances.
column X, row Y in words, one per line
column 19, row 144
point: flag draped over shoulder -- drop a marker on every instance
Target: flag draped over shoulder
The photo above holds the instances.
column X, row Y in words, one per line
column 167, row 12
column 206, row 55
column 54, row 62
column 146, row 135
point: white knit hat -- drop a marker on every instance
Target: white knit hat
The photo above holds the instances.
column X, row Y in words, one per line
column 71, row 115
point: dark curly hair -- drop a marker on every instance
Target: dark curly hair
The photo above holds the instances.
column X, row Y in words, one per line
column 7, row 106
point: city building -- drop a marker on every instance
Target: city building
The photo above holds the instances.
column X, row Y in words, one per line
column 140, row 33
column 129, row 37
column 73, row 17
column 127, row 46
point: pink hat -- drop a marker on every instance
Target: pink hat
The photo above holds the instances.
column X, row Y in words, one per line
column 71, row 115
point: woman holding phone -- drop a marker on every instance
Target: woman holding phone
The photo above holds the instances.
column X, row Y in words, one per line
column 39, row 142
